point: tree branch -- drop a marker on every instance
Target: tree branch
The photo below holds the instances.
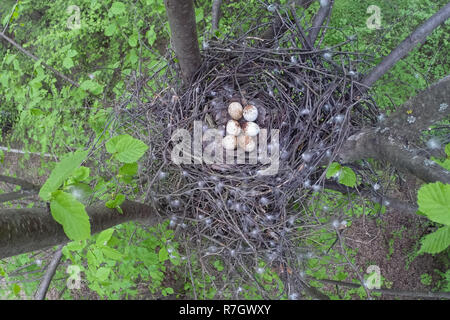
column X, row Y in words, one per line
column 407, row 45
column 393, row 203
column 11, row 196
column 184, row 38
column 419, row 113
column 277, row 26
column 19, row 182
column 389, row 141
column 51, row 269
column 215, row 15
column 30, row 55
column 29, row 229
column 386, row 147
column 401, row 293
column 318, row 21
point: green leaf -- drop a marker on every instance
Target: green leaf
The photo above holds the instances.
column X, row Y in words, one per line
column 71, row 214
column 117, row 8
column 434, row 200
column 347, row 177
column 110, row 30
column 61, row 172
column 112, row 253
column 103, row 273
column 81, row 191
column 16, row 289
column 151, row 35
column 92, row 87
column 129, row 169
column 163, row 254
column 447, row 149
column 104, row 236
column 437, row 241
column 126, row 149
column 81, row 173
column 133, row 40
column 72, row 53
column 120, row 198
column 68, row 63
column 333, row 170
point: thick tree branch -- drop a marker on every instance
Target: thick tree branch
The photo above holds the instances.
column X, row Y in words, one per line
column 319, row 19
column 11, row 196
column 215, row 15
column 19, row 182
column 386, row 147
column 393, row 203
column 419, row 113
column 390, row 141
column 184, row 39
column 399, row 293
column 29, row 229
column 407, row 45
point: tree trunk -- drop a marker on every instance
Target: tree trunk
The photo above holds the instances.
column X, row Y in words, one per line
column 25, row 230
column 184, row 38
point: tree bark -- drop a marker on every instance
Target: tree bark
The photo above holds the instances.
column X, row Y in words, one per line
column 389, row 141
column 391, row 292
column 215, row 15
column 184, row 38
column 419, row 113
column 51, row 269
column 318, row 21
column 407, row 45
column 386, row 147
column 24, row 230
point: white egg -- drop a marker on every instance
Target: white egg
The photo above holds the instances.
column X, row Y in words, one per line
column 250, row 113
column 250, row 129
column 233, row 128
column 246, row 143
column 235, row 110
column 229, row 142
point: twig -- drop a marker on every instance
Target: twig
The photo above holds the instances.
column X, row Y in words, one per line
column 407, row 45
column 30, row 55
column 43, row 287
column 416, row 294
column 10, row 16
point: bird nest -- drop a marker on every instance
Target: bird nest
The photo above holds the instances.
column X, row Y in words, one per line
column 231, row 204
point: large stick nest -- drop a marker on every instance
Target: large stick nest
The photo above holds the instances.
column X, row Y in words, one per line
column 231, row 209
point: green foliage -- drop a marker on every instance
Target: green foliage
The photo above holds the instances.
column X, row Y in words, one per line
column 71, row 214
column 434, row 201
column 61, row 172
column 344, row 175
column 113, row 268
column 126, row 149
column 445, row 163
